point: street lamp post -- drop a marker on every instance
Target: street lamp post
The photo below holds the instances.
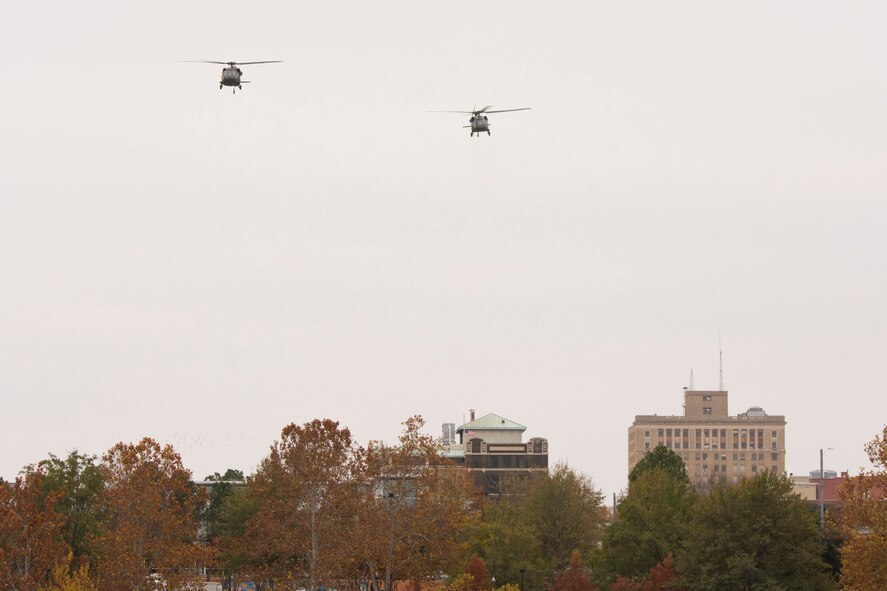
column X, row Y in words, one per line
column 522, row 571
column 822, row 488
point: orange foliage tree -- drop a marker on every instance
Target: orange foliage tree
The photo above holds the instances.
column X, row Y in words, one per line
column 306, row 493
column 418, row 501
column 150, row 526
column 477, row 568
column 662, row 577
column 31, row 543
column 574, row 577
column 864, row 521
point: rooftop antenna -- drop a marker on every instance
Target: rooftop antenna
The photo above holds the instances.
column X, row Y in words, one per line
column 720, row 364
column 692, row 381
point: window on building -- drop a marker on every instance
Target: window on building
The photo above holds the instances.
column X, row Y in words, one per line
column 646, row 445
column 774, row 457
column 773, row 445
column 661, row 433
column 754, row 468
column 735, row 457
column 698, row 456
column 704, row 457
column 773, row 468
column 647, row 433
column 706, row 410
column 773, row 434
column 706, row 397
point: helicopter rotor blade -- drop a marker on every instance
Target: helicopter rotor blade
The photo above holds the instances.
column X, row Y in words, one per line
column 204, row 62
column 461, row 112
column 484, row 110
column 510, row 110
column 265, row 62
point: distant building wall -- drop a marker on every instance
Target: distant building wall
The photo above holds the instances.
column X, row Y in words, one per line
column 713, row 444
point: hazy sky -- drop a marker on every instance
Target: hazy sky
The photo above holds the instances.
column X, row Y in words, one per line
column 204, row 268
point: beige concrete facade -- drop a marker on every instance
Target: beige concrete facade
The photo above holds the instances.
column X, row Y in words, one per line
column 713, row 444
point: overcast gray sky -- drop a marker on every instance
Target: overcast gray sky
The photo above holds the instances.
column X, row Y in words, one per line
column 205, row 268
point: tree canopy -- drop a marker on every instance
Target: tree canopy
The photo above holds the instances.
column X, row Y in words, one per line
column 650, row 522
column 663, row 458
column 755, row 534
column 864, row 523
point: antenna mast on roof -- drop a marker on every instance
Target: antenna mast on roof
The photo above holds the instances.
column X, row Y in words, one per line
column 720, row 365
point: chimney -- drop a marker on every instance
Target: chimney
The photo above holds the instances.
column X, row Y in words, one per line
column 471, row 413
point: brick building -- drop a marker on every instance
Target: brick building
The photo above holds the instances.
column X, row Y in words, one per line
column 713, row 444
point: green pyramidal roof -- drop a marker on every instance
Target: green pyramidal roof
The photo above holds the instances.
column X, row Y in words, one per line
column 490, row 422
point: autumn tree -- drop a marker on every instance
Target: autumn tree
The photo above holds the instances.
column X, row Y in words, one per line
column 864, row 523
column 574, row 577
column 68, row 577
column 662, row 577
column 481, row 579
column 31, row 532
column 305, row 492
column 77, row 480
column 150, row 508
column 651, row 520
column 756, row 534
column 418, row 500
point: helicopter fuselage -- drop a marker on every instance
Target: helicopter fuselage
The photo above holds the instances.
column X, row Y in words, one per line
column 231, row 77
column 479, row 124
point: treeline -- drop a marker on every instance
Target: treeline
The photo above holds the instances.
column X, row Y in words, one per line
column 321, row 511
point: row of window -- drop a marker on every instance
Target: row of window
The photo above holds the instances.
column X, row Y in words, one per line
column 702, row 469
column 496, row 461
column 714, row 439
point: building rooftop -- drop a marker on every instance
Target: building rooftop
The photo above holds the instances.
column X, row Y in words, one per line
column 491, row 422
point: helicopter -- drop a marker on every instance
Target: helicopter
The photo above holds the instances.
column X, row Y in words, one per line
column 231, row 74
column 478, row 122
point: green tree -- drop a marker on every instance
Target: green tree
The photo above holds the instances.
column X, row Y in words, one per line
column 78, row 480
column 504, row 539
column 753, row 535
column 236, row 553
column 663, row 458
column 650, row 522
column 565, row 512
column 219, row 493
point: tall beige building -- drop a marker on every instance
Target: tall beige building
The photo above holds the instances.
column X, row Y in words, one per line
column 713, row 444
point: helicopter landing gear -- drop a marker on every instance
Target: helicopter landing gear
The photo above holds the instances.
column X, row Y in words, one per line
column 220, row 87
column 233, row 91
column 488, row 133
column 239, row 87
